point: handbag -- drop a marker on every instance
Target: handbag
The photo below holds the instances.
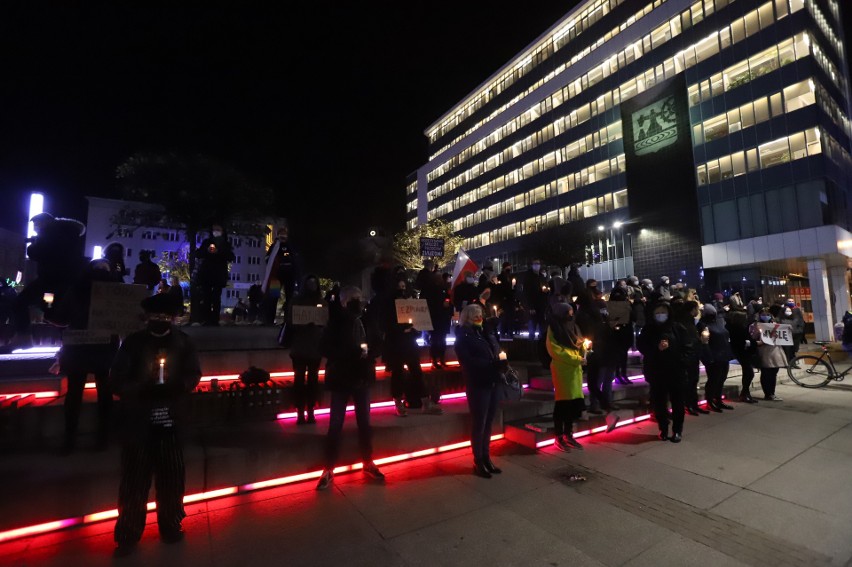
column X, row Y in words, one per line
column 510, row 385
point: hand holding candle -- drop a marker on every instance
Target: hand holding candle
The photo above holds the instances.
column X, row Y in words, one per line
column 587, row 348
column 48, row 299
column 502, row 355
column 160, row 377
column 705, row 336
column 364, row 350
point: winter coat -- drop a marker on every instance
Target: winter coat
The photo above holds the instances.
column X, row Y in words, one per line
column 718, row 349
column 566, row 369
column 532, row 296
column 135, row 371
column 213, row 268
column 670, row 364
column 346, row 369
column 477, row 352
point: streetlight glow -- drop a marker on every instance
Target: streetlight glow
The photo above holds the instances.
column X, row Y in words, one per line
column 617, row 224
column 97, row 252
column 36, row 208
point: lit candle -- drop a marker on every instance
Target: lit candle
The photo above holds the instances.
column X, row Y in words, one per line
column 162, row 369
column 544, row 288
column 513, row 282
column 364, row 348
column 587, row 348
column 495, row 309
column 409, row 321
column 48, row 298
column 319, row 305
column 501, row 355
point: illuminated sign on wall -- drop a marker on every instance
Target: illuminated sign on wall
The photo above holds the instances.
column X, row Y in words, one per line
column 655, row 126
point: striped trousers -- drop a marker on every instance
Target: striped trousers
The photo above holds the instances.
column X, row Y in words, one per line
column 159, row 456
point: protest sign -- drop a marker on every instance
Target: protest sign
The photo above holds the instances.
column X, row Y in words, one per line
column 415, row 312
column 307, row 314
column 776, row 334
column 116, row 308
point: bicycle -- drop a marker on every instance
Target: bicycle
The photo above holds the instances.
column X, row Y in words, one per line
column 809, row 371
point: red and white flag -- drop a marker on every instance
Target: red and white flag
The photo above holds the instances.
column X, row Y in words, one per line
column 463, row 264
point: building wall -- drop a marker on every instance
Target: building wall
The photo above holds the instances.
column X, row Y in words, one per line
column 540, row 144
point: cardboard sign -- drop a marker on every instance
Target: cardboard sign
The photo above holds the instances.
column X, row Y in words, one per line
column 116, row 308
column 414, row 311
column 776, row 334
column 307, row 314
column 431, row 247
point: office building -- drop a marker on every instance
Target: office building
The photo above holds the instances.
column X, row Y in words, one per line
column 706, row 140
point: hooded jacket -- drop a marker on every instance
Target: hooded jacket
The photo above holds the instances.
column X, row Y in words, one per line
column 669, row 364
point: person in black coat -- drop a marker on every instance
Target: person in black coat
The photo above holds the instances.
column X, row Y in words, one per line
column 716, row 355
column 285, row 266
column 534, row 298
column 465, row 292
column 505, row 300
column 600, row 367
column 664, row 347
column 687, row 314
column 152, row 373
column 743, row 348
column 350, row 371
column 214, row 254
column 305, row 353
column 77, row 361
column 479, row 358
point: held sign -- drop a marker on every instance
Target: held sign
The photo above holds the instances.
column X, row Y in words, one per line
column 431, row 247
column 776, row 334
column 307, row 314
column 415, row 312
column 115, row 308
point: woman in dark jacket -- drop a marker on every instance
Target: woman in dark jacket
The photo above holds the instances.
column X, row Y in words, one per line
column 479, row 357
column 716, row 355
column 305, row 353
column 686, row 313
column 664, row 347
column 744, row 349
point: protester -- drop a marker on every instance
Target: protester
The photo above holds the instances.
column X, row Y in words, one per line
column 687, row 314
column 305, row 353
column 480, row 362
column 350, row 372
column 792, row 315
column 175, row 291
column 436, row 291
column 664, row 346
column 565, row 346
column 534, row 298
column 114, row 254
column 77, row 361
column 152, row 373
column 506, row 301
column 214, row 255
column 771, row 357
column 621, row 325
column 282, row 273
column 146, row 273
column 465, row 293
column 743, row 347
column 716, row 356
column 592, row 319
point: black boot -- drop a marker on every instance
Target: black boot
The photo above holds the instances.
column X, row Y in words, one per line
column 480, row 470
column 300, row 416
column 489, row 466
column 311, row 418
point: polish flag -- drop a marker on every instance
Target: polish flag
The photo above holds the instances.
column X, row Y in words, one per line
column 463, row 264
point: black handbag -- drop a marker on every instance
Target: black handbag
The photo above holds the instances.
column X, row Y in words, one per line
column 510, row 385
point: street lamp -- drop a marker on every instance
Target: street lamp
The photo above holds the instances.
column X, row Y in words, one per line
column 617, row 224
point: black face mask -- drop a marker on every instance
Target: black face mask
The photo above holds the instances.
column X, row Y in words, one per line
column 159, row 327
column 354, row 306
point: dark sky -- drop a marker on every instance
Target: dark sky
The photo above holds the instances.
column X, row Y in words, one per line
column 325, row 102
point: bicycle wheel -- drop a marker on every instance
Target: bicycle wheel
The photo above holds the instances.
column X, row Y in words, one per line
column 810, row 371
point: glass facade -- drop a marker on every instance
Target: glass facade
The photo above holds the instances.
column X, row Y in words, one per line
column 540, row 144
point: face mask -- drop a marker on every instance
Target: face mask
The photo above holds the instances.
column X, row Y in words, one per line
column 790, row 304
column 536, row 267
column 765, row 318
column 788, row 312
column 159, row 327
column 760, row 302
column 604, row 313
column 469, row 280
column 354, row 306
column 477, row 323
column 661, row 317
column 666, row 281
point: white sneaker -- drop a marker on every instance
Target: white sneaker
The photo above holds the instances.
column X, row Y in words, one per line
column 326, row 480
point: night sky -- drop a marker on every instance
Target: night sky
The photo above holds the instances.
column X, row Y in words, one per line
column 325, row 102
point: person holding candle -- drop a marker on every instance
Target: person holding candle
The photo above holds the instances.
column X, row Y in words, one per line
column 152, row 373
column 716, row 355
column 687, row 314
column 664, row 347
column 349, row 345
column 214, row 255
column 480, row 360
column 506, row 300
column 567, row 349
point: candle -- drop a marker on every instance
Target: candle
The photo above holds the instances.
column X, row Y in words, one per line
column 48, row 298
column 587, row 345
column 162, row 369
column 513, row 282
column 544, row 288
column 409, row 321
column 501, row 355
column 319, row 305
column 495, row 309
column 364, row 348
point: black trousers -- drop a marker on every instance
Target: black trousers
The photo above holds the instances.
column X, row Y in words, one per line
column 483, row 406
column 667, row 389
column 690, row 391
column 717, row 372
column 210, row 304
column 438, row 344
column 565, row 413
column 305, row 382
column 159, row 456
column 768, row 378
column 415, row 387
column 74, row 402
column 361, row 401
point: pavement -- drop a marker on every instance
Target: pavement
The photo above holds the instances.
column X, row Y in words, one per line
column 761, row 485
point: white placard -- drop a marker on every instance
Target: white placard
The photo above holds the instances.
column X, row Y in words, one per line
column 307, row 314
column 776, row 334
column 415, row 312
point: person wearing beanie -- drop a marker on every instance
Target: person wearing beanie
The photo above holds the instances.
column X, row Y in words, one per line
column 716, row 354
